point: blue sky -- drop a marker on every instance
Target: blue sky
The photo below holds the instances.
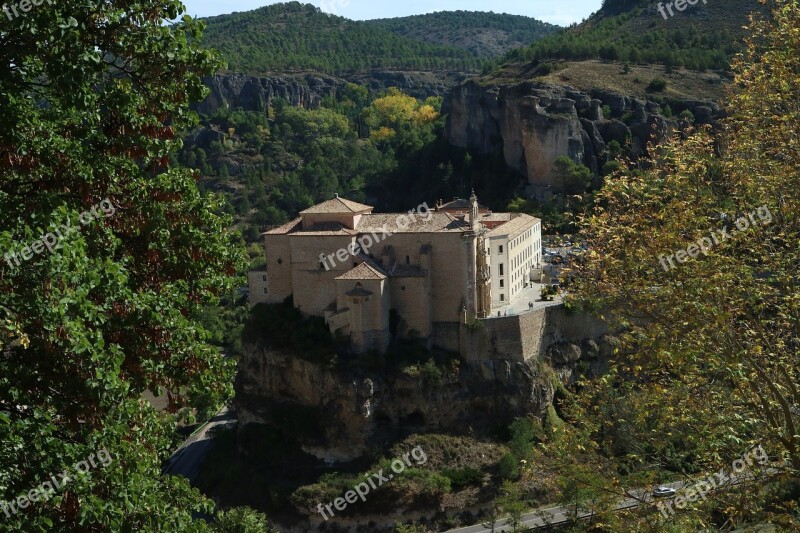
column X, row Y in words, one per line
column 556, row 12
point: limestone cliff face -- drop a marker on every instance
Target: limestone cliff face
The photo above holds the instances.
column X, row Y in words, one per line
column 344, row 413
column 229, row 91
column 251, row 93
column 532, row 124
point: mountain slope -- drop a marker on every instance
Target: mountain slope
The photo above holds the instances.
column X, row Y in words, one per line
column 703, row 36
column 293, row 36
column 482, row 34
column 296, row 37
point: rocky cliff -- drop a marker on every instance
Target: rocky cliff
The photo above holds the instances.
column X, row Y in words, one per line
column 229, row 91
column 532, row 123
column 339, row 412
column 345, row 413
column 251, row 93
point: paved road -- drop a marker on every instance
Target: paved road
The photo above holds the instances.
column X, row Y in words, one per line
column 558, row 515
column 187, row 459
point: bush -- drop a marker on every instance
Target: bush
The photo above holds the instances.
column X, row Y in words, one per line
column 283, row 327
column 243, row 520
column 430, row 482
column 509, row 467
column 610, row 167
column 657, row 85
column 461, row 477
column 431, row 375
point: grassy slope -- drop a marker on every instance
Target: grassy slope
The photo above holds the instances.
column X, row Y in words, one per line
column 643, row 28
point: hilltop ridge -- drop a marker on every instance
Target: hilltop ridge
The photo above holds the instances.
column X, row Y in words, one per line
column 291, row 37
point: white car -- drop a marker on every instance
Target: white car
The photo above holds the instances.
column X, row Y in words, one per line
column 664, row 492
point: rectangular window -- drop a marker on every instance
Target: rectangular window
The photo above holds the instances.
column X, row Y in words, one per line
column 501, row 269
column 502, row 297
column 265, row 278
column 265, row 291
column 501, row 250
column 502, row 284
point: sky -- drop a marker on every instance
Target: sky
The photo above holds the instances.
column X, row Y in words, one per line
column 563, row 12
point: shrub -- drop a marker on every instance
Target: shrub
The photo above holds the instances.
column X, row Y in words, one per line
column 610, row 167
column 243, row 520
column 431, row 375
column 430, row 482
column 509, row 467
column 461, row 477
column 657, row 85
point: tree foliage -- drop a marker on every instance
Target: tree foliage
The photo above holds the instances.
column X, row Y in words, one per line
column 709, row 364
column 91, row 95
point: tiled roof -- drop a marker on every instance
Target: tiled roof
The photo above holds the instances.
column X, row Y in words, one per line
column 514, row 226
column 286, row 228
column 295, row 227
column 417, row 223
column 363, row 271
column 496, row 217
column 337, row 205
column 460, row 204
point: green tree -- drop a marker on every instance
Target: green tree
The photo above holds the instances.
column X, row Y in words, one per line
column 512, row 504
column 243, row 520
column 91, row 94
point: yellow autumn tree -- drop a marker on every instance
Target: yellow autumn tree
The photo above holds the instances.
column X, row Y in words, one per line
column 694, row 259
column 394, row 111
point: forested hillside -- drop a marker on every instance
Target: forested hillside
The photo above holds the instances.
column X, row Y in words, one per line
column 295, row 36
column 387, row 150
column 483, row 34
column 704, row 36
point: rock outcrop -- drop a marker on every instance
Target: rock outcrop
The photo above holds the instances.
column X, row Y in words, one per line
column 251, row 93
column 532, row 124
column 339, row 412
column 229, row 91
column 344, row 413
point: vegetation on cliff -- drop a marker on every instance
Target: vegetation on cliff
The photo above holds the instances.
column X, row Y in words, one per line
column 387, row 150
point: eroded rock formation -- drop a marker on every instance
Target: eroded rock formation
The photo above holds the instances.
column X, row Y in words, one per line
column 532, row 124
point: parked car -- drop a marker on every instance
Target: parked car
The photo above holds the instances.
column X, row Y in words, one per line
column 664, row 492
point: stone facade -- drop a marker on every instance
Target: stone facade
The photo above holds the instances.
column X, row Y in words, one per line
column 529, row 336
column 340, row 261
column 258, row 284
